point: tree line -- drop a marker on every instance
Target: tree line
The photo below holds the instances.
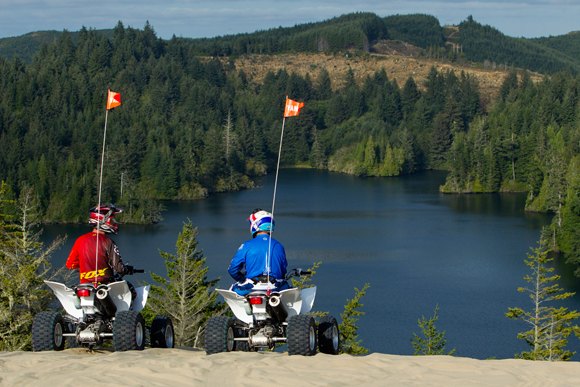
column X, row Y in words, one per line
column 529, row 142
column 469, row 42
column 360, row 31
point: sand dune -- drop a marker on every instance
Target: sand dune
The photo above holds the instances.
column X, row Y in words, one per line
column 188, row 367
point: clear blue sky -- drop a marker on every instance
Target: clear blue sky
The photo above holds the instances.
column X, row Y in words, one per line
column 208, row 18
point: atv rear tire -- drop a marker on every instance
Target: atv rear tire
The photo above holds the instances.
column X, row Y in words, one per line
column 128, row 331
column 301, row 335
column 47, row 332
column 328, row 336
column 219, row 335
column 162, row 333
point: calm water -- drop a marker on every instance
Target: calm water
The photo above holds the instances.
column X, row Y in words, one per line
column 415, row 247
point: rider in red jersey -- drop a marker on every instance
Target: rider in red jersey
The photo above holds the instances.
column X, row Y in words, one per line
column 94, row 253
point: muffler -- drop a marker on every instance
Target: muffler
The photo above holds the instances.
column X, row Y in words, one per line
column 274, row 301
column 276, row 309
column 105, row 301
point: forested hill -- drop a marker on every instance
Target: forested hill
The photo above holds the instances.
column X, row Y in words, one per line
column 484, row 43
column 469, row 41
column 568, row 44
column 192, row 124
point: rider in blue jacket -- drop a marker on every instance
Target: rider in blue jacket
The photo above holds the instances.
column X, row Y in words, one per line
column 259, row 258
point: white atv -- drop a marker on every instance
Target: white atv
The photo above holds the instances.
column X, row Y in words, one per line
column 266, row 317
column 94, row 314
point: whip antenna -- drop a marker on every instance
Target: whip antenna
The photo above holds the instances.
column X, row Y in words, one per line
column 291, row 109
column 113, row 100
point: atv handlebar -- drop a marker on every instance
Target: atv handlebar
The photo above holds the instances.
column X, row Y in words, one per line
column 297, row 273
column 130, row 271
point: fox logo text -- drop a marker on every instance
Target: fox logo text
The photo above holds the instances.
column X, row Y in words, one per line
column 94, row 273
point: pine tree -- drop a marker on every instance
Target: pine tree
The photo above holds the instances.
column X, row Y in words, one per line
column 24, row 263
column 348, row 327
column 549, row 325
column 323, row 85
column 510, row 83
column 433, row 341
column 409, row 96
column 186, row 295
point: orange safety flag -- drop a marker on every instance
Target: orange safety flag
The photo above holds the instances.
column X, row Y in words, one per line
column 113, row 100
column 292, row 108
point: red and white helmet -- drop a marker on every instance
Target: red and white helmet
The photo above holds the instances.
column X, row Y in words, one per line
column 103, row 217
column 261, row 220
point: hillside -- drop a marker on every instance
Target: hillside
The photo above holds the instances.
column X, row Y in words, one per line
column 479, row 43
column 469, row 42
column 27, row 46
column 397, row 66
column 568, row 44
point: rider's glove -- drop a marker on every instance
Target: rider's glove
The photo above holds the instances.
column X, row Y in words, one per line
column 129, row 269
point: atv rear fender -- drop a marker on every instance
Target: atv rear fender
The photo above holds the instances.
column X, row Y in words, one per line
column 294, row 301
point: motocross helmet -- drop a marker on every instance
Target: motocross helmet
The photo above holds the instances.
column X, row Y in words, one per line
column 103, row 218
column 261, row 220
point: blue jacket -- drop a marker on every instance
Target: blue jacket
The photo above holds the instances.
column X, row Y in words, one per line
column 252, row 256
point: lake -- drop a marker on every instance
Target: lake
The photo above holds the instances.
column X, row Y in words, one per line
column 416, row 248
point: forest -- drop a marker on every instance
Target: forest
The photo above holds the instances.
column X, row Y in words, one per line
column 192, row 124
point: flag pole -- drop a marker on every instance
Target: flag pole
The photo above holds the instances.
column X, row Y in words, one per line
column 274, row 197
column 102, row 158
column 100, row 190
column 278, row 167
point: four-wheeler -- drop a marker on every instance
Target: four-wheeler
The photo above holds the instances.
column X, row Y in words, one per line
column 94, row 314
column 266, row 317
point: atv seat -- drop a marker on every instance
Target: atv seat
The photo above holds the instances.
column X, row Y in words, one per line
column 264, row 278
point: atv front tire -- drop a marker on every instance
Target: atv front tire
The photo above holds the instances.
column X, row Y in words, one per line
column 162, row 333
column 128, row 331
column 219, row 335
column 301, row 335
column 47, row 332
column 328, row 336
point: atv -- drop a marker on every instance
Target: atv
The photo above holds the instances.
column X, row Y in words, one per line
column 266, row 317
column 94, row 314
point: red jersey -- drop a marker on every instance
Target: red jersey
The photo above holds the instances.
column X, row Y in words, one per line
column 83, row 256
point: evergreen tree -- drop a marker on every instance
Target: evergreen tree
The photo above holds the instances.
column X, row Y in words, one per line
column 409, row 96
column 348, row 327
column 441, row 140
column 432, row 341
column 549, row 324
column 323, row 85
column 185, row 294
column 24, row 264
column 509, row 83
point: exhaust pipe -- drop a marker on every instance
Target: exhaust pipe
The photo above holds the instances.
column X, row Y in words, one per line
column 274, row 301
column 276, row 309
column 102, row 293
column 105, row 301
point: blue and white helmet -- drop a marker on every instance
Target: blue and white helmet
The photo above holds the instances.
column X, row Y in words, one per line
column 261, row 220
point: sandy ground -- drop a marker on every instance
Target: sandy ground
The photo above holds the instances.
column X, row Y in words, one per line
column 188, row 367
